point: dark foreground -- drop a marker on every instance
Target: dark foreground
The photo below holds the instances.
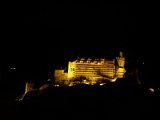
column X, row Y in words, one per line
column 90, row 102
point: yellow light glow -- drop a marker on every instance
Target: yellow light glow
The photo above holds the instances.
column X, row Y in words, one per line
column 113, row 80
column 151, row 89
column 71, row 84
column 28, row 87
column 101, row 84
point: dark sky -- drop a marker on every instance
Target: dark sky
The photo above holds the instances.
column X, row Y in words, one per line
column 66, row 29
column 48, row 34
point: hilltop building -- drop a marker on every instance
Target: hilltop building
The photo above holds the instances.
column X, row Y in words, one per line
column 92, row 70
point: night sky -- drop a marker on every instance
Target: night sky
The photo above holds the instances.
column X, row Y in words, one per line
column 41, row 37
column 67, row 30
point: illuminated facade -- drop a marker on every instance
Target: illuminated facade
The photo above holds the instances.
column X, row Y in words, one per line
column 93, row 69
column 60, row 75
column 29, row 87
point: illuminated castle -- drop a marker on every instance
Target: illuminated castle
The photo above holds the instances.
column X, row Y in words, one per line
column 93, row 70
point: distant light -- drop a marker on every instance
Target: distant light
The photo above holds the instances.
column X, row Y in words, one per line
column 49, row 80
column 151, row 90
column 12, row 68
column 57, row 85
column 143, row 63
column 101, row 84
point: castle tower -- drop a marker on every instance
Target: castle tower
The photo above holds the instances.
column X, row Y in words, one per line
column 121, row 60
column 120, row 71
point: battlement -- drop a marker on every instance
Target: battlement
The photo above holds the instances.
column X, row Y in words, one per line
column 93, row 61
